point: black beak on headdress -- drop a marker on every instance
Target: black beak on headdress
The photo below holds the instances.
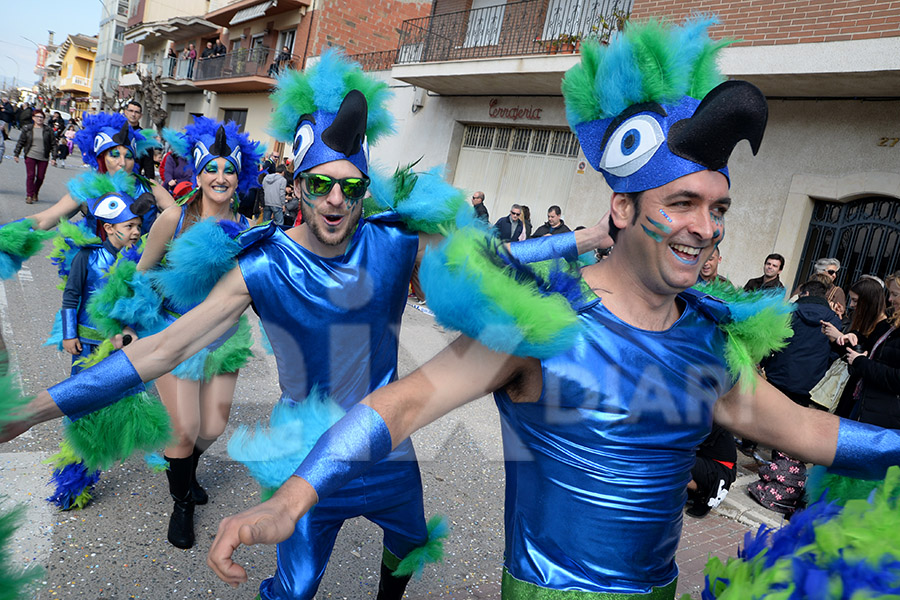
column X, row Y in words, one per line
column 731, row 112
column 348, row 130
column 220, row 147
column 121, row 137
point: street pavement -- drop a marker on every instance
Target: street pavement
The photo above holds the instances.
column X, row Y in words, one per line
column 116, row 547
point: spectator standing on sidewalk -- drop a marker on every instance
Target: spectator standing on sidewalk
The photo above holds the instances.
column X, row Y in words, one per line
column 481, row 210
column 36, row 143
column 274, row 186
column 510, row 227
column 554, row 225
column 771, row 269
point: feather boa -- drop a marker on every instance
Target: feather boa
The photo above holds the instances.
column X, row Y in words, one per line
column 273, row 451
column 759, row 324
column 73, row 481
column 15, row 583
column 825, row 553
column 430, row 552
column 19, row 241
column 127, row 298
column 70, row 239
column 231, row 356
column 524, row 310
column 137, row 423
column 424, row 201
column 195, row 261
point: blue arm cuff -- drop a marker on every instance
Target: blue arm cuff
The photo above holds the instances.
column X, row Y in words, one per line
column 865, row 451
column 69, row 323
column 347, row 450
column 545, row 248
column 96, row 387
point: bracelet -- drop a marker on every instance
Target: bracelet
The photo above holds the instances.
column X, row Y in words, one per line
column 352, row 445
column 69, row 317
column 95, row 387
column 545, row 248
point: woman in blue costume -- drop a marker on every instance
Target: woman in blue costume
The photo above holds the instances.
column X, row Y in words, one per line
column 199, row 394
column 108, row 144
column 601, row 418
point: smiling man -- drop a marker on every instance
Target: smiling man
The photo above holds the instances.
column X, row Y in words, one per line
column 603, row 431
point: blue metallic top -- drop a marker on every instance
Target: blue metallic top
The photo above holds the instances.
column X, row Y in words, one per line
column 332, row 322
column 597, row 468
column 88, row 268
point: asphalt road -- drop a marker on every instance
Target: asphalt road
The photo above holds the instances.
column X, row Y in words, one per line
column 116, row 547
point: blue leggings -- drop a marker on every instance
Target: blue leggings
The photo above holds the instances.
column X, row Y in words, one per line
column 389, row 495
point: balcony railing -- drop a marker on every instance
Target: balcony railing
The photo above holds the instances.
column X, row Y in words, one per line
column 243, row 62
column 118, row 47
column 178, row 68
column 514, row 29
column 376, row 61
column 142, row 68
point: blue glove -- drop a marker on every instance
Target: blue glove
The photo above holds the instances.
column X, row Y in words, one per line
column 865, row 451
column 95, row 387
column 352, row 445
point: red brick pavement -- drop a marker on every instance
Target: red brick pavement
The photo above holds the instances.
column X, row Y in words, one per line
column 712, row 535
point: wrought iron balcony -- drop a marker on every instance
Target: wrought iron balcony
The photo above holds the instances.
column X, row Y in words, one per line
column 375, row 61
column 514, row 29
column 243, row 62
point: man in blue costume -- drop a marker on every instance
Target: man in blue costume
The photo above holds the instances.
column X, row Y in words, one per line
column 604, row 432
column 330, row 294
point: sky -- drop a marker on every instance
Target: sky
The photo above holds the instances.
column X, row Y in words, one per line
column 64, row 17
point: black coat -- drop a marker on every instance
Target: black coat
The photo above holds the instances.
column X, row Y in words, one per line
column 799, row 366
column 26, row 138
column 506, row 231
column 880, row 399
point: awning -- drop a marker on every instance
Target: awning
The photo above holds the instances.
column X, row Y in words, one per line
column 253, row 12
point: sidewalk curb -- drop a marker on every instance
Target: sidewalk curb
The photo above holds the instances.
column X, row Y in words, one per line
column 739, row 506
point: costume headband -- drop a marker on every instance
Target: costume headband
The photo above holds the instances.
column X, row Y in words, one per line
column 109, row 198
column 330, row 111
column 103, row 131
column 206, row 139
column 652, row 106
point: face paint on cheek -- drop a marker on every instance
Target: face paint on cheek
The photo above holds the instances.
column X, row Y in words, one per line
column 661, row 226
column 719, row 222
column 665, row 216
column 305, row 197
column 653, row 235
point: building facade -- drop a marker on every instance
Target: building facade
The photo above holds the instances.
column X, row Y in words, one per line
column 110, row 49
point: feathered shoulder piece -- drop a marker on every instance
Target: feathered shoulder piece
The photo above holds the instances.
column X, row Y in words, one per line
column 647, row 62
column 322, row 88
column 205, row 139
column 756, row 323
column 195, row 261
column 103, row 131
column 92, row 185
column 71, row 238
column 526, row 310
column 19, row 241
column 424, row 201
column 825, row 553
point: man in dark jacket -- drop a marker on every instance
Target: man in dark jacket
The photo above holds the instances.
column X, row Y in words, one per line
column 771, row 269
column 510, row 227
column 802, row 363
column 554, row 224
column 133, row 112
column 481, row 210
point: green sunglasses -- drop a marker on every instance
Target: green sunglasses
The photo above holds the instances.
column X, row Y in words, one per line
column 353, row 188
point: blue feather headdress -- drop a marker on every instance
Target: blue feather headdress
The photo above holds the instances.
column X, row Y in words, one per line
column 206, row 139
column 652, row 106
column 108, row 197
column 103, row 131
column 330, row 111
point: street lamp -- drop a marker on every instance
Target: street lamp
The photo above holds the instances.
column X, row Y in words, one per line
column 15, row 81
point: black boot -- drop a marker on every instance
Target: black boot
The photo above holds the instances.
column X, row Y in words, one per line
column 198, row 493
column 390, row 587
column 181, row 523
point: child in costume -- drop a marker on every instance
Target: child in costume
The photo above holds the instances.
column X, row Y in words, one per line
column 602, row 411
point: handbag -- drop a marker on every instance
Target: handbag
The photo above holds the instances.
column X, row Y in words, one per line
column 828, row 391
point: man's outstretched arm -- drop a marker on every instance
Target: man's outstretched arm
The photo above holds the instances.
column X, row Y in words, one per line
column 847, row 447
column 462, row 372
column 146, row 359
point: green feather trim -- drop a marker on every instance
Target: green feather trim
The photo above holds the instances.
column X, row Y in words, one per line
column 81, row 500
column 762, row 326
column 65, row 456
column 15, row 583
column 136, row 423
column 430, row 552
column 104, row 349
column 21, row 240
column 837, row 488
column 69, row 238
column 116, row 285
column 654, row 54
column 706, row 75
column 12, row 401
column 266, row 493
column 233, row 354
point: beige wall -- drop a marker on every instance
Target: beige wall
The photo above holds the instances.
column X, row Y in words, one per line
column 162, row 11
column 258, row 109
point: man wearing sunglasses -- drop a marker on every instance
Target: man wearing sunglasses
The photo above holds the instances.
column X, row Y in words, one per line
column 509, row 228
column 835, row 295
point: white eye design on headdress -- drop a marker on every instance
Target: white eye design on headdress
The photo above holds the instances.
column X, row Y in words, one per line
column 101, row 140
column 109, row 208
column 303, row 139
column 365, row 147
column 236, row 155
column 632, row 145
column 200, row 152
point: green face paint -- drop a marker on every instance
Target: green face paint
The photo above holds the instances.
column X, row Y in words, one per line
column 661, row 226
column 653, row 235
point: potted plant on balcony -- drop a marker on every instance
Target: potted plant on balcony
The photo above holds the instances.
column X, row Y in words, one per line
column 605, row 25
column 566, row 42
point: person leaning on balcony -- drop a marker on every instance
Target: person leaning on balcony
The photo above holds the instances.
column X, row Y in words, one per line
column 173, row 58
column 190, row 55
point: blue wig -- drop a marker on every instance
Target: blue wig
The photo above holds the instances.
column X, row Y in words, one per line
column 206, row 139
column 103, row 131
